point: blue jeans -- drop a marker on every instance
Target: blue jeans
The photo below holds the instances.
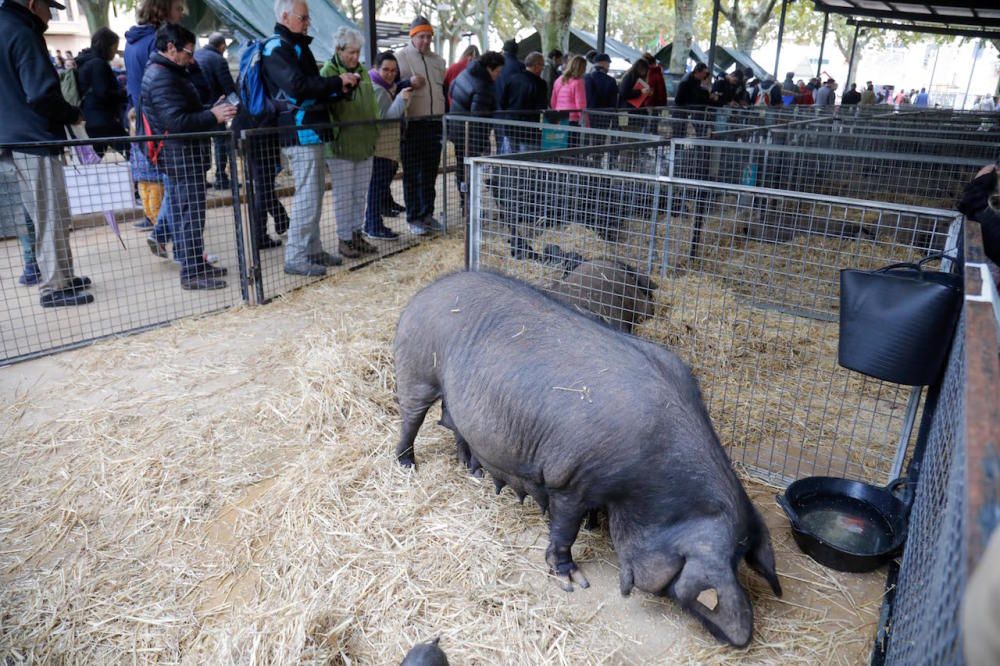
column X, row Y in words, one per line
column 163, row 230
column 187, row 213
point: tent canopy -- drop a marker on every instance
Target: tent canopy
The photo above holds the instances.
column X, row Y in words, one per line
column 255, row 20
column 581, row 42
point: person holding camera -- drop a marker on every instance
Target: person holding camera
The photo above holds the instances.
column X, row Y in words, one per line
column 170, row 104
column 292, row 78
column 349, row 155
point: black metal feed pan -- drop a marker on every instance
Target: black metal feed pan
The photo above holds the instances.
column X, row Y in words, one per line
column 846, row 525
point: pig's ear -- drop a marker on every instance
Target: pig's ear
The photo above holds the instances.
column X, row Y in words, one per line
column 709, row 590
column 760, row 557
column 645, row 283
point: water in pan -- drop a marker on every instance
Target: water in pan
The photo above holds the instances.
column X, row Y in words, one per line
column 847, row 524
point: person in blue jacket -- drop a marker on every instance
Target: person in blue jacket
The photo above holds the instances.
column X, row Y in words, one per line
column 140, row 42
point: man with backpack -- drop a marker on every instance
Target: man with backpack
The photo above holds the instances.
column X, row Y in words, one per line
column 34, row 111
column 215, row 71
column 299, row 96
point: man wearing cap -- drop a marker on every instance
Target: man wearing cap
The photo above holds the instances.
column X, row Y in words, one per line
column 291, row 74
column 602, row 91
column 420, row 150
column 34, row 111
column 511, row 66
column 220, row 83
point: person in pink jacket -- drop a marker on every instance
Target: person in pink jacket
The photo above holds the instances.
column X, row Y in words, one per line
column 568, row 91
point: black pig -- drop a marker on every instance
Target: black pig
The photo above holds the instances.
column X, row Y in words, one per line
column 425, row 654
column 562, row 407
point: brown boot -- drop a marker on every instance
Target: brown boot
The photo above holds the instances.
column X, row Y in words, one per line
column 359, row 243
column 347, row 250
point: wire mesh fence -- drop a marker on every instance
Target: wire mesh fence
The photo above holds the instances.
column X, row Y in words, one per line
column 901, row 179
column 75, row 265
column 924, row 627
column 337, row 201
column 741, row 282
column 874, row 142
column 470, row 136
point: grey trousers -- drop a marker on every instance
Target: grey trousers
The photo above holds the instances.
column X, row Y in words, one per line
column 350, row 193
column 42, row 183
column 309, row 172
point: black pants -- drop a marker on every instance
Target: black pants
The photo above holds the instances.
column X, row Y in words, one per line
column 421, row 156
column 379, row 193
column 263, row 159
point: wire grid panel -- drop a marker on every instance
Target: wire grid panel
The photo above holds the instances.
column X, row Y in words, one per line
column 316, row 208
column 742, row 283
column 470, row 136
column 901, row 179
column 933, row 131
column 87, row 204
column 872, row 142
column 924, row 625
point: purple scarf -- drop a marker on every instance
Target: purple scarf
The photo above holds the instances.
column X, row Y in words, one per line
column 378, row 80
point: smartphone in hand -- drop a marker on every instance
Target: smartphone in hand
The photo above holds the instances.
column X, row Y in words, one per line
column 233, row 98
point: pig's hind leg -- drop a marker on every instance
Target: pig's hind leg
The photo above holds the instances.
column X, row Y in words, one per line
column 565, row 516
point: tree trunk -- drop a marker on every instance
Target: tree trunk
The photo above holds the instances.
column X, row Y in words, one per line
column 683, row 35
column 556, row 33
column 96, row 13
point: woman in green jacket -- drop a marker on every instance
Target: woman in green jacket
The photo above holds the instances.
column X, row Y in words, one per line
column 355, row 134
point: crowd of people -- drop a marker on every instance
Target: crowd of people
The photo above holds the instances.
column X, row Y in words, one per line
column 336, row 117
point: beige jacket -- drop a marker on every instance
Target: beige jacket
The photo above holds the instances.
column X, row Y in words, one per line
column 429, row 100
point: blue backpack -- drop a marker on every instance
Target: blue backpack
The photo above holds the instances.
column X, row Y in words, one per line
column 250, row 82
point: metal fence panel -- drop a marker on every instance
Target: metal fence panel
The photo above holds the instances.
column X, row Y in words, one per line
column 925, row 626
column 877, row 143
column 340, row 203
column 136, row 277
column 747, row 294
column 901, row 178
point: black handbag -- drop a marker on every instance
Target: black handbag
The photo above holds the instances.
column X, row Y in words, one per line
column 896, row 323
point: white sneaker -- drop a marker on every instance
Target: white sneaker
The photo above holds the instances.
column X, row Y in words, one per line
column 417, row 230
column 211, row 258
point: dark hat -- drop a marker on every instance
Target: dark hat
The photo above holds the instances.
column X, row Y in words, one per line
column 510, row 46
column 419, row 21
column 602, row 57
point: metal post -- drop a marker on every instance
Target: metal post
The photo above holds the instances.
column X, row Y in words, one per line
column 975, row 59
column 937, row 53
column 822, row 45
column 715, row 35
column 850, row 63
column 368, row 17
column 781, row 34
column 602, row 24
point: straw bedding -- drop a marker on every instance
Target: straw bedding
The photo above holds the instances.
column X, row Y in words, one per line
column 224, row 491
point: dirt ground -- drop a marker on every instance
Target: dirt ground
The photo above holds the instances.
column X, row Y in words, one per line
column 224, row 491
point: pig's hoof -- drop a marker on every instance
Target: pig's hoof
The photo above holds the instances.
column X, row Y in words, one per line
column 407, row 461
column 574, row 575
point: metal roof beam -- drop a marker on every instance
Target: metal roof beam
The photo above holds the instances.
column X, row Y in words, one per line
column 933, row 30
column 905, row 16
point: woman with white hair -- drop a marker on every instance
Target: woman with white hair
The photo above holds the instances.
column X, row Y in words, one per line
column 349, row 155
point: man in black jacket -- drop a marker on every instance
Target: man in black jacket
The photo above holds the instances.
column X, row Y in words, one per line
column 34, row 111
column 219, row 79
column 691, row 90
column 526, row 92
column 171, row 105
column 291, row 73
column 602, row 91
